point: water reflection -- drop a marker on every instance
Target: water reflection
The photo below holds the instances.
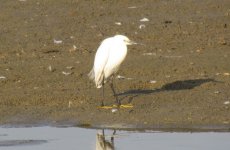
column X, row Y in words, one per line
column 105, row 142
column 72, row 138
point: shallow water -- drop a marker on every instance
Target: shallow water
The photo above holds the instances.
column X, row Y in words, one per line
column 73, row 138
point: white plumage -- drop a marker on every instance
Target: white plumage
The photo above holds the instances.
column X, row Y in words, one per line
column 109, row 56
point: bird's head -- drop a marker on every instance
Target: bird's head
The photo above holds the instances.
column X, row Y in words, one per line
column 125, row 39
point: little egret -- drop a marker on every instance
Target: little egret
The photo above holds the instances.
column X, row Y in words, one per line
column 109, row 56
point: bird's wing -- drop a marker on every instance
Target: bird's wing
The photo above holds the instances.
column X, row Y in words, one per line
column 100, row 61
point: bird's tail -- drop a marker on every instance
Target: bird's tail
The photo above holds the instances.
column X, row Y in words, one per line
column 98, row 81
column 91, row 74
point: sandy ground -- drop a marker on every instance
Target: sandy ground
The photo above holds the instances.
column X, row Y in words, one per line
column 178, row 78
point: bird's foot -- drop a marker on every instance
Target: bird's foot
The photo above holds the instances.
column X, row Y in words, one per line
column 126, row 106
column 105, row 107
column 116, row 106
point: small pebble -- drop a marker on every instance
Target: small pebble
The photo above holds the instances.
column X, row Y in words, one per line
column 114, row 110
column 69, row 67
column 51, row 69
column 70, row 103
column 144, row 20
column 2, row 77
column 66, row 73
column 118, row 23
column 225, row 122
column 226, row 102
column 129, row 78
column 217, row 92
column 149, row 54
column 167, row 76
column 57, row 41
column 73, row 49
column 120, row 77
column 141, row 26
column 132, row 7
column 152, row 81
column 226, row 74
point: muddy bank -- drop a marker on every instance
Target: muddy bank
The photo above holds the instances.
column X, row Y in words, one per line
column 179, row 77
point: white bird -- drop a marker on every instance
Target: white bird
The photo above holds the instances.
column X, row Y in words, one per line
column 105, row 144
column 109, row 56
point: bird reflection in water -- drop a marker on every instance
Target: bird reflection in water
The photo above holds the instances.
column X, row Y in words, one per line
column 105, row 142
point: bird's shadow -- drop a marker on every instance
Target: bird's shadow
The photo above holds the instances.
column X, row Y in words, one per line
column 174, row 86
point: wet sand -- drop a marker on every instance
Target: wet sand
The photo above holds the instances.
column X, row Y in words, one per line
column 178, row 78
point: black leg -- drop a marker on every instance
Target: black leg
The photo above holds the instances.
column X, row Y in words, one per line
column 114, row 94
column 114, row 132
column 112, row 137
column 103, row 135
column 103, row 132
column 103, row 93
